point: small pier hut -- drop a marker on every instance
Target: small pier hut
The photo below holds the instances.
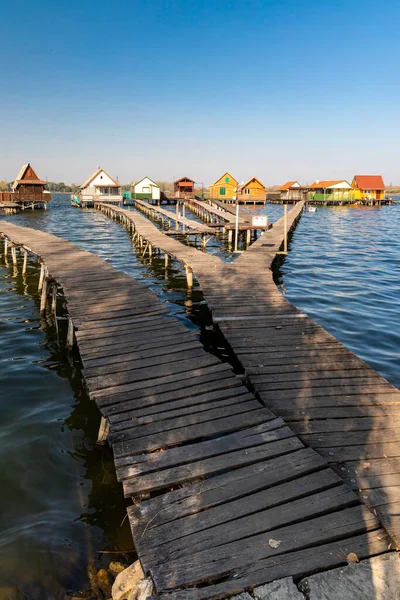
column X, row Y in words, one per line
column 292, row 191
column 27, row 191
column 252, row 192
column 100, row 187
column 369, row 189
column 146, row 189
column 224, row 189
column 330, row 192
column 184, row 188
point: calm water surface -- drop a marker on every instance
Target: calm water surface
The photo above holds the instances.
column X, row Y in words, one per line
column 60, row 503
column 344, row 271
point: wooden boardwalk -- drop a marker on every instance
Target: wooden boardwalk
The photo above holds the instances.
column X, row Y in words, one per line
column 225, row 494
column 166, row 217
column 335, row 402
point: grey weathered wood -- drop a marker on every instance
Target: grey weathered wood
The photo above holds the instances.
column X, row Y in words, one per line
column 210, row 466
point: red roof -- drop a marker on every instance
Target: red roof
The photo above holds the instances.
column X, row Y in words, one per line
column 287, row 186
column 369, row 182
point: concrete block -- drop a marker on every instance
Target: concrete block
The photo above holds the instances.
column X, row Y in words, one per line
column 281, row 589
column 377, row 578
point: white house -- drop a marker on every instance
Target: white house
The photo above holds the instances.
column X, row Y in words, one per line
column 100, row 187
column 146, row 189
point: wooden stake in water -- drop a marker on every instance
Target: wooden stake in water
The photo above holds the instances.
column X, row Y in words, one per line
column 285, row 227
column 25, row 262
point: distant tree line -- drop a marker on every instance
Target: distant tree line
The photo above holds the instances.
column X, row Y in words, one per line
column 60, row 186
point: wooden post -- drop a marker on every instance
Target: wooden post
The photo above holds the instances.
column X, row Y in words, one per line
column 189, row 276
column 177, row 215
column 5, row 247
column 43, row 298
column 54, row 299
column 150, row 250
column 104, row 430
column 183, row 215
column 230, row 236
column 70, row 334
column 42, row 269
column 14, row 255
column 248, row 237
column 25, row 262
column 285, row 228
column 166, row 257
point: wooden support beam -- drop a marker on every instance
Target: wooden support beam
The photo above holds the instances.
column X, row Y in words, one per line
column 25, row 262
column 70, row 334
column 104, row 430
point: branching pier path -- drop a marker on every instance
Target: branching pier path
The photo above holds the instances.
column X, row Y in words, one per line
column 226, row 495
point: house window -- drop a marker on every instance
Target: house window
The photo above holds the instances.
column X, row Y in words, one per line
column 227, row 179
column 222, row 191
column 246, row 191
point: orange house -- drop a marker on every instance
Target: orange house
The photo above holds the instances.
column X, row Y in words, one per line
column 370, row 187
column 225, row 188
column 252, row 191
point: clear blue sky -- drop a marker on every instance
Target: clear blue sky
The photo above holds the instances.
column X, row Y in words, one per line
column 281, row 89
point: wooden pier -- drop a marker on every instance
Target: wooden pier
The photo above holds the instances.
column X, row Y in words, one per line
column 297, row 368
column 225, row 495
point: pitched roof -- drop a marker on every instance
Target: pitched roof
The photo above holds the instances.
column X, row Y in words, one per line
column 250, row 180
column 234, row 181
column 21, row 177
column 287, row 185
column 184, row 179
column 326, row 183
column 146, row 177
column 89, row 181
column 369, row 182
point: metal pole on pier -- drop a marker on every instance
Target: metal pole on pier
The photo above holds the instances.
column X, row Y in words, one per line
column 237, row 224
column 285, row 227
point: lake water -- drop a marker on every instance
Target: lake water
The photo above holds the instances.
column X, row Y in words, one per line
column 60, row 503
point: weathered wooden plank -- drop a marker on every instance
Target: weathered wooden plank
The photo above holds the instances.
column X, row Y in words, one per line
column 132, row 466
column 367, row 451
column 194, row 409
column 283, row 515
column 167, row 425
column 126, row 364
column 306, row 385
column 150, row 401
column 221, row 560
column 379, row 422
column 146, row 415
column 355, row 438
column 136, row 352
column 246, row 512
column 152, row 373
column 296, row 414
column 192, row 432
column 227, row 487
column 217, row 464
column 296, row 564
column 165, row 384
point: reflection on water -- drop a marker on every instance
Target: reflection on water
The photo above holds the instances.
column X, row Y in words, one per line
column 344, row 271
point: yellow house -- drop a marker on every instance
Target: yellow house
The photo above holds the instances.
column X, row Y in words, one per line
column 252, row 191
column 368, row 187
column 224, row 188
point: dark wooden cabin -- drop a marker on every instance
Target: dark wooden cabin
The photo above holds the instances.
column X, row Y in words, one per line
column 27, row 190
column 184, row 188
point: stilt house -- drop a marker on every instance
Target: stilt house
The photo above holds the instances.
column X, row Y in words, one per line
column 184, row 188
